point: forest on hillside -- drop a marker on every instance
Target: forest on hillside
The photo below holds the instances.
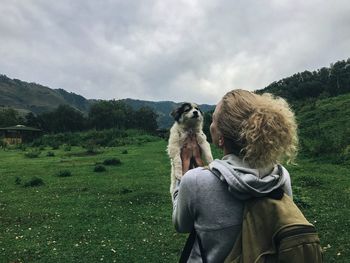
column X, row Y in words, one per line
column 322, row 83
column 102, row 115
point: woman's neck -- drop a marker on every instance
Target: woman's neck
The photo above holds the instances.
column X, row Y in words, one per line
column 231, row 151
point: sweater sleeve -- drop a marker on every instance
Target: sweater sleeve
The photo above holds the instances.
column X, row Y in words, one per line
column 183, row 198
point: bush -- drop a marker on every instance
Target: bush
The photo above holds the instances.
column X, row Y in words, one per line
column 91, row 148
column 125, row 152
column 34, row 181
column 124, row 191
column 67, row 148
column 112, row 161
column 99, row 168
column 50, row 154
column 18, row 180
column 3, row 144
column 108, row 137
column 21, row 147
column 32, row 154
column 37, row 142
column 55, row 145
column 64, row 173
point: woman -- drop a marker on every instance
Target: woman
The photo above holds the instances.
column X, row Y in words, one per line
column 255, row 132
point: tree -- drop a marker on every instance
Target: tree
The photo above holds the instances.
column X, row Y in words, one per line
column 63, row 119
column 206, row 125
column 10, row 117
column 111, row 114
column 146, row 119
column 32, row 121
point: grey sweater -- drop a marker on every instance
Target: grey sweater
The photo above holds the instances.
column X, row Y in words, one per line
column 213, row 203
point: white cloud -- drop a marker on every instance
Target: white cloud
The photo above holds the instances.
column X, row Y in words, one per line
column 168, row 50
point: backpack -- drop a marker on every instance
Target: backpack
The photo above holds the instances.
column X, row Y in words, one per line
column 275, row 230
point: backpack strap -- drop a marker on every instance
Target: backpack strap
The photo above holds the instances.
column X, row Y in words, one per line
column 186, row 252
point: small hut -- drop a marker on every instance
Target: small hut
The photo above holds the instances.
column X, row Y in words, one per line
column 19, row 134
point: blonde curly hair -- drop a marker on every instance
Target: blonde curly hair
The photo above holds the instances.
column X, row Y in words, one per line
column 261, row 128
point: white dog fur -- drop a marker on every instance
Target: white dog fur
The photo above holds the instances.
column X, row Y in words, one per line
column 188, row 120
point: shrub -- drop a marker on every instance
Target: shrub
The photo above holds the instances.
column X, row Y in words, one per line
column 34, row 181
column 50, row 154
column 67, row 148
column 91, row 148
column 99, row 168
column 3, row 144
column 64, row 173
column 112, row 161
column 18, row 180
column 32, row 154
column 55, row 145
column 125, row 152
column 37, row 142
column 21, row 147
column 124, row 191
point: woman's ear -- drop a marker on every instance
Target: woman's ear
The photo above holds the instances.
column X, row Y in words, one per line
column 221, row 141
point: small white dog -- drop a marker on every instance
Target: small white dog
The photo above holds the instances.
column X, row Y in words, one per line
column 188, row 121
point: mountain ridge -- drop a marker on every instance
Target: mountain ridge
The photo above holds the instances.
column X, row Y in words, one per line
column 301, row 88
column 32, row 97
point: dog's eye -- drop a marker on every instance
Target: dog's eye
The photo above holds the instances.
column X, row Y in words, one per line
column 187, row 110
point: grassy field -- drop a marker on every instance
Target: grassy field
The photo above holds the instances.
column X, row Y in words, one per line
column 123, row 214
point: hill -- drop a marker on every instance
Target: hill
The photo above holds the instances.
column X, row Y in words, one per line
column 32, row 97
column 321, row 101
column 163, row 109
column 324, row 128
column 308, row 92
column 322, row 83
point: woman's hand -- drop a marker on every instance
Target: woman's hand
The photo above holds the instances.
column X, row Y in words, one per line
column 190, row 150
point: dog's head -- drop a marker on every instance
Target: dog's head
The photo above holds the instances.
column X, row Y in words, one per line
column 188, row 113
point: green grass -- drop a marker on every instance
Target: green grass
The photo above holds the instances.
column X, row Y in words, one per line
column 124, row 213
column 324, row 128
column 325, row 188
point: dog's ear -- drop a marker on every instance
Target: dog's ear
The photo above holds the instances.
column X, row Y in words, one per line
column 176, row 114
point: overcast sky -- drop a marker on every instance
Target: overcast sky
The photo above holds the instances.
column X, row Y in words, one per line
column 168, row 50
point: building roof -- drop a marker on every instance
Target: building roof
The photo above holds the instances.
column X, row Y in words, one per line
column 20, row 128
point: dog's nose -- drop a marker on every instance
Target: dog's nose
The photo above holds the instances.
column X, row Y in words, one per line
column 195, row 113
